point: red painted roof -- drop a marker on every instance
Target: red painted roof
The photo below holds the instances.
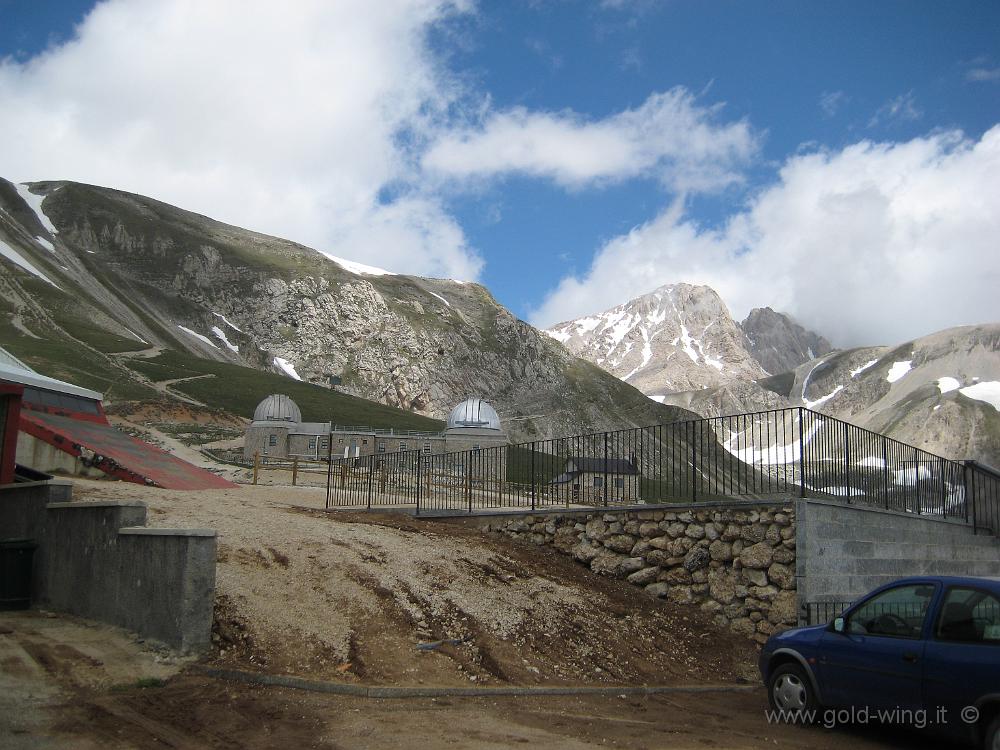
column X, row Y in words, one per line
column 130, row 459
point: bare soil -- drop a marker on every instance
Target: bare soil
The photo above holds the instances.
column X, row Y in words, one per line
column 349, row 597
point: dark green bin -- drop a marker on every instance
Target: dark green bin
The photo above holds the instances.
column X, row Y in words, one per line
column 16, row 558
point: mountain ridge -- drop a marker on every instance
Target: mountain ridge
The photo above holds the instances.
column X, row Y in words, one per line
column 128, row 271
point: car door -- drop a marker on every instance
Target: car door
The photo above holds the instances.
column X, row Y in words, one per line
column 962, row 659
column 877, row 661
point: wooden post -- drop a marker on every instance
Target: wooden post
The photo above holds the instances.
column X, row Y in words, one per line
column 295, row 470
column 256, row 464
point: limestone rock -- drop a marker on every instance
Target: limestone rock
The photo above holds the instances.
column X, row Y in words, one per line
column 758, row 556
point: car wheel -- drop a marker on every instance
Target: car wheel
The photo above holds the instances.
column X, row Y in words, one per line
column 991, row 740
column 791, row 693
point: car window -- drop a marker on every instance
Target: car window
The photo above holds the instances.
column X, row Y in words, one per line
column 969, row 615
column 896, row 613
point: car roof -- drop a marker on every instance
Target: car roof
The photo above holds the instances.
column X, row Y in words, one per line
column 987, row 581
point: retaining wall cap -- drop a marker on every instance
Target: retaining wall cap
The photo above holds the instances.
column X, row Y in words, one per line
column 886, row 512
column 41, row 483
column 145, row 531
column 98, row 504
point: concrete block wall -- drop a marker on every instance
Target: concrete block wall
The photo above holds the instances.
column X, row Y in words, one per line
column 97, row 560
column 844, row 551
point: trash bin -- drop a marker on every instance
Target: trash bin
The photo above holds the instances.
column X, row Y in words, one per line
column 16, row 557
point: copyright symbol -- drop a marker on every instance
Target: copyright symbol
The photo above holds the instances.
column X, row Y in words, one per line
column 970, row 714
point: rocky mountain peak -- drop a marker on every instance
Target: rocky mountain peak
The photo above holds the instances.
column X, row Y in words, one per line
column 677, row 337
column 779, row 343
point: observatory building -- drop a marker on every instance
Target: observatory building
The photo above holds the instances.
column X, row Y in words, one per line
column 278, row 431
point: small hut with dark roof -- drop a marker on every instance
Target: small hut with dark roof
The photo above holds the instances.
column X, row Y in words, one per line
column 591, row 480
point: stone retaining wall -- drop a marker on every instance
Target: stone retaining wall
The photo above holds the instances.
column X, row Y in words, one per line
column 737, row 564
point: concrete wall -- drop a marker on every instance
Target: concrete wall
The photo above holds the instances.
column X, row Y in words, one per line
column 47, row 458
column 844, row 551
column 97, row 560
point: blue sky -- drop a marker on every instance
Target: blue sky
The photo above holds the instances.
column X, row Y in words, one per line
column 568, row 155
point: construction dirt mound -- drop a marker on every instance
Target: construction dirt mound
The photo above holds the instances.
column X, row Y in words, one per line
column 388, row 599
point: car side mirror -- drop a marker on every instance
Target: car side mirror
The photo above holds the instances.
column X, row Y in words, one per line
column 838, row 625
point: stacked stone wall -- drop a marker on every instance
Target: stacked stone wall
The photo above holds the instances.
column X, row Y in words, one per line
column 737, row 564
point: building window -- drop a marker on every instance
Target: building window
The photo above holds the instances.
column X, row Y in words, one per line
column 324, row 442
column 427, row 463
column 381, row 447
column 365, row 441
column 402, row 445
column 312, row 444
column 598, row 481
column 272, row 440
column 427, row 447
column 341, row 441
column 620, row 482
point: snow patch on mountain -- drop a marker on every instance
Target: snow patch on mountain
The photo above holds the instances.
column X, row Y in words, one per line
column 898, row 370
column 823, row 399
column 359, row 268
column 858, row 370
column 35, row 204
column 947, row 384
column 198, row 336
column 439, row 297
column 222, row 317
column 221, row 335
column 287, row 367
column 772, row 455
column 13, row 255
column 988, row 391
column 45, row 243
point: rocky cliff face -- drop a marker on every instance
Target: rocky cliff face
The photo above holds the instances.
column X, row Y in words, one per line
column 133, row 269
column 677, row 338
column 778, row 343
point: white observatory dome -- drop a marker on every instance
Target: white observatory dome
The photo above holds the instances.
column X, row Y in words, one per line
column 277, row 408
column 474, row 413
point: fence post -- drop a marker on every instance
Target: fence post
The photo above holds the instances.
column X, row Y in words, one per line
column 329, row 468
column 256, row 465
column 802, row 454
column 605, row 481
column 295, row 470
column 885, row 470
column 420, row 463
column 468, row 480
column 944, row 491
column 371, row 474
column 847, row 460
column 532, row 475
column 916, row 477
column 694, row 466
column 970, row 496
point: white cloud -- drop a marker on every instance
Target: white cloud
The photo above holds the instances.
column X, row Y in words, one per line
column 670, row 137
column 290, row 121
column 983, row 74
column 903, row 107
column 876, row 243
column 831, row 101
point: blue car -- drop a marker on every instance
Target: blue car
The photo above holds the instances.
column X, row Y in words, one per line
column 921, row 652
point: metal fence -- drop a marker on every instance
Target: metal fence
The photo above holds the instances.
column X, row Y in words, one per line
column 781, row 453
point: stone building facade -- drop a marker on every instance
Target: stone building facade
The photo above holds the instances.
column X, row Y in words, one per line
column 592, row 481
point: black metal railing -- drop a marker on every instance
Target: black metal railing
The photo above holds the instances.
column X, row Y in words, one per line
column 986, row 611
column 782, row 453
